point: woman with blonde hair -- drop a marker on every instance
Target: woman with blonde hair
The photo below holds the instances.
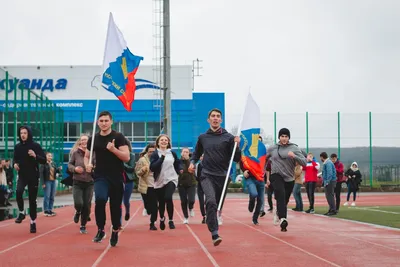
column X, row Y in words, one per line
column 82, row 182
column 165, row 165
column 146, row 184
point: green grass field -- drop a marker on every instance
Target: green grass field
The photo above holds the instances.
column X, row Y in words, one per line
column 382, row 215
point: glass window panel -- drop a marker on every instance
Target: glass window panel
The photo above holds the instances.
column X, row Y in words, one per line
column 126, row 129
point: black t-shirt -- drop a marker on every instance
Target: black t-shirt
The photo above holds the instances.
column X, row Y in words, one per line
column 107, row 163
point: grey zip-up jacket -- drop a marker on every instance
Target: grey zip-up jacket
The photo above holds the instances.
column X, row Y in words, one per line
column 281, row 163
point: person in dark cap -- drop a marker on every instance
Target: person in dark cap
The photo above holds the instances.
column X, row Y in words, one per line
column 284, row 156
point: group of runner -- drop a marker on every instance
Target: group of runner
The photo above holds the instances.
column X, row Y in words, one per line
column 100, row 163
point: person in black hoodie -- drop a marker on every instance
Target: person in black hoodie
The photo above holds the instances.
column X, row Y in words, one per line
column 186, row 186
column 27, row 156
column 217, row 145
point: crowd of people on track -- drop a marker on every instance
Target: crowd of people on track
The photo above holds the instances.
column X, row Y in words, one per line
column 104, row 165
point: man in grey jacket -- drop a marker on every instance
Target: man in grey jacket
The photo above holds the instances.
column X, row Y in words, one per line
column 284, row 156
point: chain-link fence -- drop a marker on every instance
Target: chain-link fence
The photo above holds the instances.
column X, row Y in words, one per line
column 21, row 106
column 370, row 139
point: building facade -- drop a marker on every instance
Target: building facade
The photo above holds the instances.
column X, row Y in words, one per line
column 70, row 87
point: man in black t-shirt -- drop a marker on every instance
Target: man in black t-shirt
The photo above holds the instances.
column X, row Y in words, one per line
column 111, row 152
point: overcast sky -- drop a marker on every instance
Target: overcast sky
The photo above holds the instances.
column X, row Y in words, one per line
column 320, row 56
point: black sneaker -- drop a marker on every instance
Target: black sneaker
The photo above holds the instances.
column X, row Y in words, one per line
column 252, row 203
column 204, row 220
column 284, row 225
column 33, row 228
column 76, row 217
column 114, row 238
column 153, row 227
column 270, row 209
column 89, row 219
column 127, row 216
column 100, row 236
column 171, row 225
column 262, row 214
column 216, row 240
column 255, row 222
column 20, row 218
column 162, row 224
column 83, row 230
column 52, row 213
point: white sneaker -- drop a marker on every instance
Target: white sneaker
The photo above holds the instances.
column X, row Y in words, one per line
column 191, row 213
column 353, row 204
column 186, row 221
column 346, row 203
column 220, row 221
column 144, row 213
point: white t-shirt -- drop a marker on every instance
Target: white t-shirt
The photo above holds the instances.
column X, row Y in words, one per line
column 167, row 173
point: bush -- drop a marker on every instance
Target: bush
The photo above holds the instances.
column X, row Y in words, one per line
column 235, row 185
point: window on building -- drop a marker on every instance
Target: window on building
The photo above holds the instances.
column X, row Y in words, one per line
column 73, row 131
column 65, row 131
column 138, row 132
column 87, row 127
column 126, row 129
column 153, row 130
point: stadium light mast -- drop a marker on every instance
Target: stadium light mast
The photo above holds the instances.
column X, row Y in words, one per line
column 167, row 69
column 196, row 67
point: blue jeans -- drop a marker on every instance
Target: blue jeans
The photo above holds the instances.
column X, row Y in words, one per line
column 297, row 196
column 256, row 191
column 127, row 196
column 49, row 194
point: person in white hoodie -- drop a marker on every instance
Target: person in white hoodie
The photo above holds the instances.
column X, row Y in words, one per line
column 353, row 182
column 165, row 165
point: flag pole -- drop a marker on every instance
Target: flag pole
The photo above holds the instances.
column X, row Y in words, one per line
column 98, row 91
column 95, row 117
column 221, row 202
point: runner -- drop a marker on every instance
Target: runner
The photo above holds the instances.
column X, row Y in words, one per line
column 27, row 156
column 111, row 152
column 284, row 155
column 217, row 145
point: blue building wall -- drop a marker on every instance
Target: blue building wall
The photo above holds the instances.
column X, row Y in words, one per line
column 189, row 117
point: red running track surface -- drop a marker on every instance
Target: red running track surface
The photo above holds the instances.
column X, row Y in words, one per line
column 311, row 239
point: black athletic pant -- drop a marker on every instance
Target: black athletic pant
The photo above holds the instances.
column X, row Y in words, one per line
column 282, row 192
column 187, row 196
column 310, row 188
column 164, row 197
column 104, row 188
column 32, row 184
column 82, row 193
column 270, row 191
column 200, row 194
column 338, row 191
column 212, row 188
column 150, row 203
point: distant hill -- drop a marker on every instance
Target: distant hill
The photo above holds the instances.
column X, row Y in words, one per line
column 380, row 155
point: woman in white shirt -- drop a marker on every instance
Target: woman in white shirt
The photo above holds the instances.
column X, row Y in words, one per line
column 165, row 165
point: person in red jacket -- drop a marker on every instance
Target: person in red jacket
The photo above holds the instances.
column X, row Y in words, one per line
column 310, row 179
column 340, row 178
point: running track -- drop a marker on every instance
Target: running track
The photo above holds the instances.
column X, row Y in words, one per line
column 311, row 239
